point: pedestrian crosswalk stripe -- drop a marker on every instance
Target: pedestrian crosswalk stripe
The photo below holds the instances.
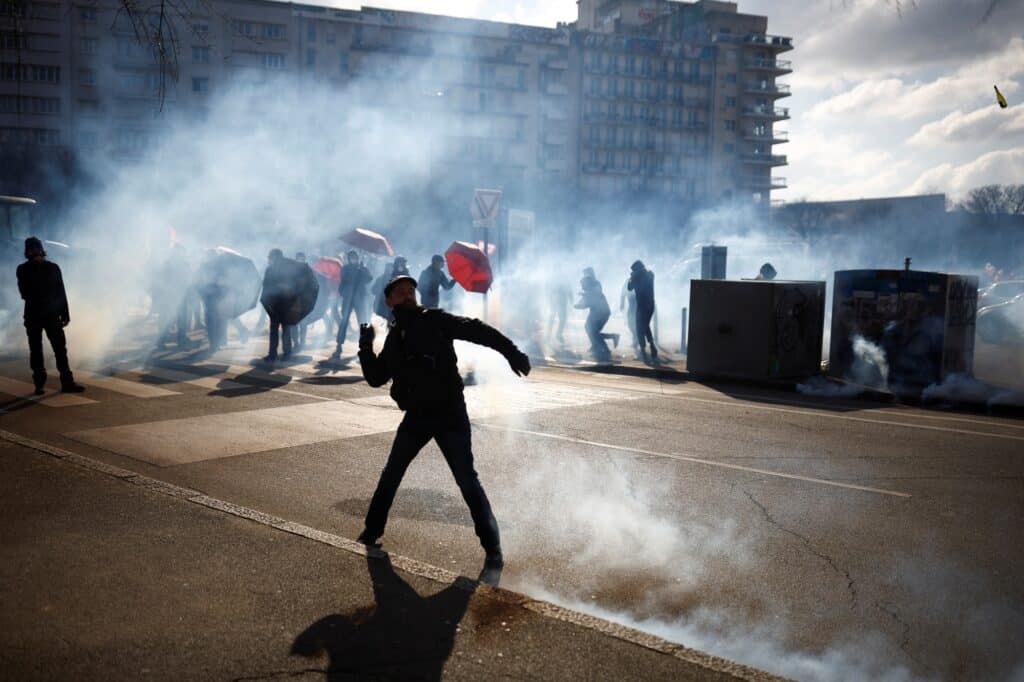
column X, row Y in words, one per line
column 194, row 439
column 135, row 389
column 21, row 389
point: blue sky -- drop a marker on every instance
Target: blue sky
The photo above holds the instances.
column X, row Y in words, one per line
column 889, row 97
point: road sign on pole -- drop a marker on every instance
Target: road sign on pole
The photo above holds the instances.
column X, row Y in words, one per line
column 485, row 205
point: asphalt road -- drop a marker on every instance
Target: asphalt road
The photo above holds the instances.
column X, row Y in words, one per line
column 814, row 538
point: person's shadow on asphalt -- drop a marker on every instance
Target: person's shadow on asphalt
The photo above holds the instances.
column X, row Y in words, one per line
column 401, row 636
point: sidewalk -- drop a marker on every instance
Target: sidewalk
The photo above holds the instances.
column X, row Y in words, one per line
column 105, row 575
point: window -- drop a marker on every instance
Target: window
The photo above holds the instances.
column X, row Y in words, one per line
column 88, row 45
column 630, row 64
column 730, row 101
column 200, row 85
column 273, row 31
column 728, row 147
column 243, row 28
column 36, row 136
column 87, row 14
column 88, row 106
column 87, row 76
column 200, row 54
column 483, row 101
column 88, row 138
column 21, row 104
column 730, row 78
column 39, row 73
column 311, row 56
column 730, row 125
column 311, row 32
column 343, row 62
column 201, row 29
column 273, row 61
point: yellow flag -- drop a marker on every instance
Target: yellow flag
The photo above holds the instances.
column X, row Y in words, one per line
column 1000, row 98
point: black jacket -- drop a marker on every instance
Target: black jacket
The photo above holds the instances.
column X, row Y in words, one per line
column 354, row 279
column 642, row 284
column 42, row 287
column 419, row 358
column 429, row 283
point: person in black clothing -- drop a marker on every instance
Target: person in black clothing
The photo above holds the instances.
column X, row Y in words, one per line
column 352, row 291
column 419, row 359
column 592, row 298
column 41, row 285
column 641, row 282
column 277, row 296
column 431, row 280
column 399, row 267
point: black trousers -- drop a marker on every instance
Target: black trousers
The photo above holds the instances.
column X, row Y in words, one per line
column 451, row 431
column 643, row 326
column 278, row 326
column 594, row 324
column 54, row 332
column 349, row 305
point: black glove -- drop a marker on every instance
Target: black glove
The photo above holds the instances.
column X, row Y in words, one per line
column 519, row 363
column 366, row 335
column 64, row 322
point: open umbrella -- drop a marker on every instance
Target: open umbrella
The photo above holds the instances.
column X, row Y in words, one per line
column 368, row 241
column 231, row 279
column 469, row 266
column 329, row 267
column 298, row 292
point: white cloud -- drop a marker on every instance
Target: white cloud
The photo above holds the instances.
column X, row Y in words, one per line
column 968, row 87
column 998, row 167
column 988, row 123
column 842, row 166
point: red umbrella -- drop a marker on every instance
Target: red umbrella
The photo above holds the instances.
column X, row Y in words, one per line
column 368, row 241
column 469, row 266
column 329, row 267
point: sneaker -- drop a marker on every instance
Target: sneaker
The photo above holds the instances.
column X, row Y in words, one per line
column 366, row 539
column 40, row 389
column 269, row 358
column 70, row 388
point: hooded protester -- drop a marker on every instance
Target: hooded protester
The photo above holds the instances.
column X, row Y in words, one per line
column 419, row 359
column 592, row 299
column 431, row 280
column 279, row 293
column 41, row 286
column 353, row 293
column 641, row 282
column 398, row 268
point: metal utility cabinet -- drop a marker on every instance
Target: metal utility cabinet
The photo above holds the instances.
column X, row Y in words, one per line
column 923, row 321
column 756, row 329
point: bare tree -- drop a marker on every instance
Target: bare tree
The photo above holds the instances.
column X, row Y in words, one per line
column 991, row 201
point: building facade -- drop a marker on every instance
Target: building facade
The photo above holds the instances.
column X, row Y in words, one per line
column 669, row 100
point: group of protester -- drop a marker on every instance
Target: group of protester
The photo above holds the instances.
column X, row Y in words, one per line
column 636, row 300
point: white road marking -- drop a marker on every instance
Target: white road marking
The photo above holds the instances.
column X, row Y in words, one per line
column 136, row 389
column 26, row 391
column 831, row 415
column 195, row 439
column 695, row 460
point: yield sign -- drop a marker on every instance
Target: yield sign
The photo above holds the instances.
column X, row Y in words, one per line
column 485, row 204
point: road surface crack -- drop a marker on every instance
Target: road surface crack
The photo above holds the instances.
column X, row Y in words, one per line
column 851, row 585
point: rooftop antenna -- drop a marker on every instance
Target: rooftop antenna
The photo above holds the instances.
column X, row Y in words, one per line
column 906, row 264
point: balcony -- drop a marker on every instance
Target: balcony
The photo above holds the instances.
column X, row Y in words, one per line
column 772, row 113
column 691, row 78
column 780, row 43
column 773, row 137
column 761, row 182
column 776, row 66
column 767, row 88
column 555, row 138
column 764, row 159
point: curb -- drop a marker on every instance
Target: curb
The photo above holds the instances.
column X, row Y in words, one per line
column 418, row 568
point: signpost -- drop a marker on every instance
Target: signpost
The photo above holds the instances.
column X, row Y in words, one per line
column 484, row 209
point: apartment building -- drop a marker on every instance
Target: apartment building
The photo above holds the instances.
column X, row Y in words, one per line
column 678, row 98
column 668, row 100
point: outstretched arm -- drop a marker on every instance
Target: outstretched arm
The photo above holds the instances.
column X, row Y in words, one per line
column 475, row 331
column 447, row 283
